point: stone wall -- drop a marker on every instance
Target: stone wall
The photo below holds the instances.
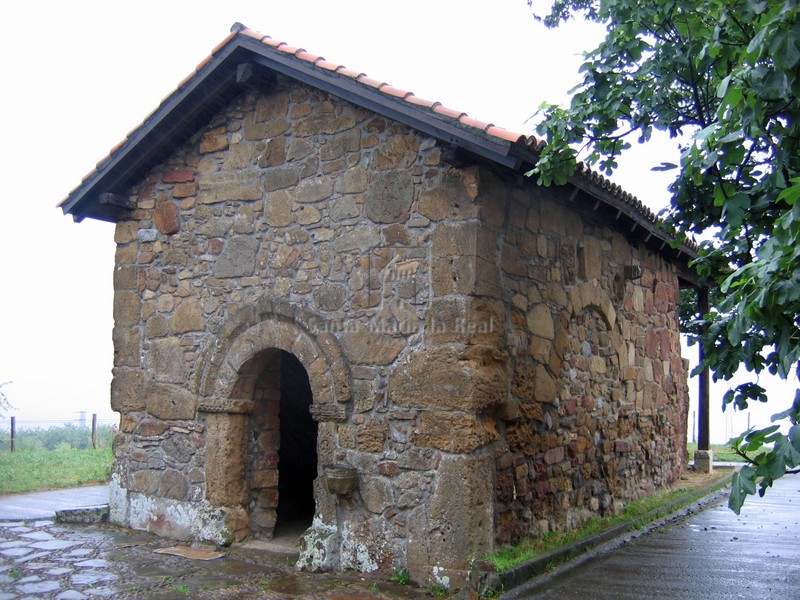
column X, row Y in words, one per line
column 597, row 408
column 470, row 347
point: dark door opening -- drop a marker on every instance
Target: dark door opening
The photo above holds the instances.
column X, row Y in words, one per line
column 297, row 453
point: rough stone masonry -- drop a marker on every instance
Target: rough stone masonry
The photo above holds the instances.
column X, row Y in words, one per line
column 468, row 343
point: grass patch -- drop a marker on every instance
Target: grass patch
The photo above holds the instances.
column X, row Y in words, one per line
column 35, row 470
column 722, row 453
column 638, row 512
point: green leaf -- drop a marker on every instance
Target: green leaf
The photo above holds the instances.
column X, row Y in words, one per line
column 665, row 166
column 742, row 485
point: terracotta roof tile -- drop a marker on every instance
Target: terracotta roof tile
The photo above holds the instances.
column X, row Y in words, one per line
column 505, row 134
column 186, row 79
column 224, row 42
column 396, row 92
column 271, row 42
column 342, row 70
column 308, row 57
column 327, row 65
column 461, row 117
column 204, row 62
column 253, row 34
column 416, row 100
column 289, row 49
column 87, row 176
column 369, row 81
column 448, row 112
column 470, row 122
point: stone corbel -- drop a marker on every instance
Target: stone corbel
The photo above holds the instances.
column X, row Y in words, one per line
column 226, row 405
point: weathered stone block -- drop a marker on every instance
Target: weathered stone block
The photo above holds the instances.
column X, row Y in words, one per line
column 125, row 278
column 454, row 239
column 278, row 209
column 169, row 402
column 540, row 322
column 126, row 232
column 167, row 218
column 367, row 347
column 360, row 239
column 179, row 175
column 399, row 152
column 187, row 317
column 225, row 446
column 127, row 346
column 146, row 482
column 127, row 308
column 389, row 197
column 376, row 493
column 173, row 485
column 590, row 259
column 126, row 390
column 221, row 187
column 450, row 198
column 165, row 360
column 238, row 259
column 464, row 494
column 371, row 436
column 454, row 432
column 281, row 178
column 313, row 190
column 352, row 181
column 445, row 378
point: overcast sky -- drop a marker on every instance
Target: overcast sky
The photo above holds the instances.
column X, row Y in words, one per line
column 79, row 75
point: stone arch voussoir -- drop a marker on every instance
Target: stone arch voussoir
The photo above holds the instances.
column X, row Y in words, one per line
column 590, row 294
column 274, row 325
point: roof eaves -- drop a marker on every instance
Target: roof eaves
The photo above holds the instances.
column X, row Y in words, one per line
column 428, row 117
column 156, row 132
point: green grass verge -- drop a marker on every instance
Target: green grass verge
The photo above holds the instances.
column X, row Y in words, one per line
column 34, row 470
column 722, row 453
column 639, row 513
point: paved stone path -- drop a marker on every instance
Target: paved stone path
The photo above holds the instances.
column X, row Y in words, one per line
column 43, row 505
column 713, row 554
column 50, row 561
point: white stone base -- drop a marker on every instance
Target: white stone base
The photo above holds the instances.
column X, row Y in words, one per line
column 704, row 461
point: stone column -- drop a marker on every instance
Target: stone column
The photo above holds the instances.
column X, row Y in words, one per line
column 226, row 486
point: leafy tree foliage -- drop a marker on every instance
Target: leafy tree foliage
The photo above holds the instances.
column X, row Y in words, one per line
column 722, row 76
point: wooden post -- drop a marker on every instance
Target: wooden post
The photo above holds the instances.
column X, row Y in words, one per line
column 13, row 434
column 94, row 431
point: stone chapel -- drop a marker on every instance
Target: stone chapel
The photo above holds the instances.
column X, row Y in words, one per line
column 343, row 311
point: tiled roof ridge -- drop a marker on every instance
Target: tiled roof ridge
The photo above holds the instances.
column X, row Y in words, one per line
column 462, row 117
column 528, row 142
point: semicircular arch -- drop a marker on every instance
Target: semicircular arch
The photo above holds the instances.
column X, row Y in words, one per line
column 235, row 359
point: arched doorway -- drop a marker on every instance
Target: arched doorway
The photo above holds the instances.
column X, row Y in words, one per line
column 282, row 453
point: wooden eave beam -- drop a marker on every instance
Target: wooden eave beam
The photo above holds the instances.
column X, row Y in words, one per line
column 171, row 124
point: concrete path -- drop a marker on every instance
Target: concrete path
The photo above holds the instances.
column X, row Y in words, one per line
column 43, row 505
column 711, row 555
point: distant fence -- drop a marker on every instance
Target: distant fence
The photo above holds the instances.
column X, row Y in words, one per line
column 52, row 434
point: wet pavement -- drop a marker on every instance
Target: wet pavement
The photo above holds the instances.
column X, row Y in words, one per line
column 46, row 560
column 714, row 554
column 43, row 559
column 43, row 505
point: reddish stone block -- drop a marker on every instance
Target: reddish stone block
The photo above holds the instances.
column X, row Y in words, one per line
column 167, row 218
column 179, row 175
